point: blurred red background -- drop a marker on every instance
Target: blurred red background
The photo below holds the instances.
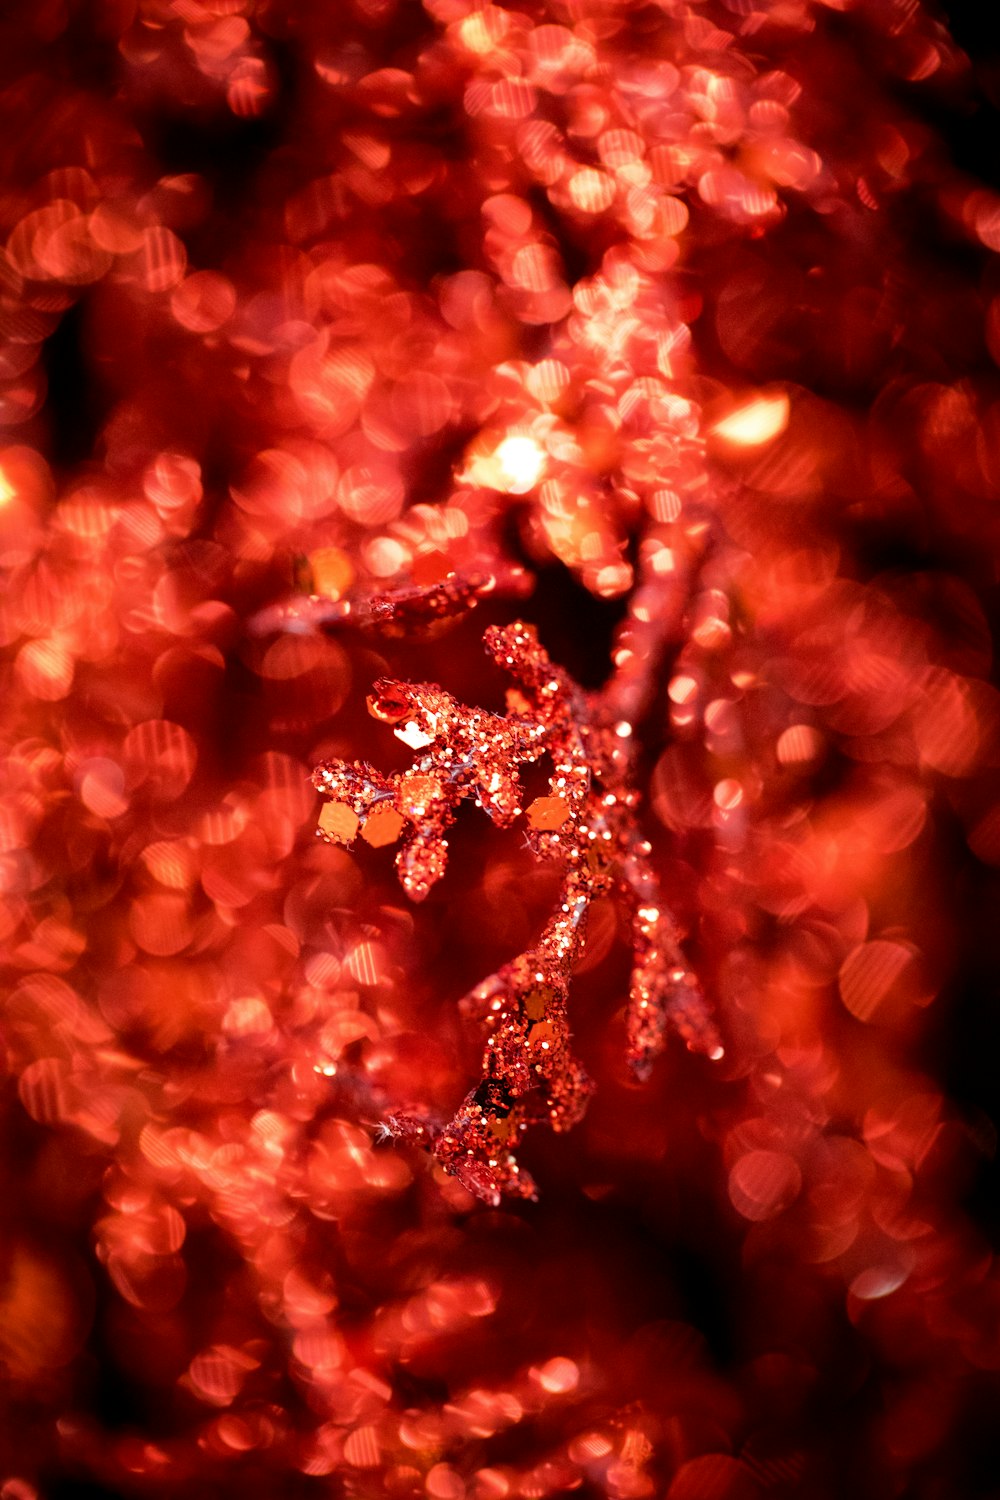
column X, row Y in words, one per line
column 674, row 330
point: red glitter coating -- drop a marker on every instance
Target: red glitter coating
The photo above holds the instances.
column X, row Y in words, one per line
column 588, row 824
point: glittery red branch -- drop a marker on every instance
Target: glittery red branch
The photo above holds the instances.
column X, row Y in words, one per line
column 587, row 822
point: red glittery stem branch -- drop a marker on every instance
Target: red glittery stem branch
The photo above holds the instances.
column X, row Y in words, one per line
column 588, row 822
